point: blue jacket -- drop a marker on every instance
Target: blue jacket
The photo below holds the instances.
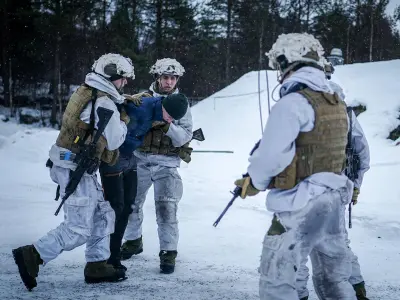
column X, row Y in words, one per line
column 141, row 119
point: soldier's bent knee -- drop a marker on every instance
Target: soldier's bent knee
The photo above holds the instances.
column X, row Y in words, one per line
column 166, row 211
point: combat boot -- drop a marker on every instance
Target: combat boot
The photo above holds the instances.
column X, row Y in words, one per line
column 361, row 293
column 28, row 260
column 100, row 271
column 130, row 248
column 167, row 261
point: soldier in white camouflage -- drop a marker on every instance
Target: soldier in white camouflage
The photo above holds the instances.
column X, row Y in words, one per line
column 88, row 218
column 300, row 160
column 157, row 161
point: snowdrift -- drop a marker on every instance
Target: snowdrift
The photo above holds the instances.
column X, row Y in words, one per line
column 230, row 118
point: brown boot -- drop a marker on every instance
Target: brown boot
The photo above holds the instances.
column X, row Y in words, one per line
column 28, row 261
column 100, row 271
column 131, row 247
column 167, row 261
column 361, row 293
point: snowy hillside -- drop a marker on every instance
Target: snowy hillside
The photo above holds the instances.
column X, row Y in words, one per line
column 213, row 263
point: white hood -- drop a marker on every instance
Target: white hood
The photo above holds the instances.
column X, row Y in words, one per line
column 337, row 89
column 312, row 77
column 102, row 84
column 290, row 116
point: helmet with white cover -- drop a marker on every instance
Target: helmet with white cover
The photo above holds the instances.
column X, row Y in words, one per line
column 337, row 52
column 328, row 68
column 114, row 66
column 295, row 50
column 168, row 66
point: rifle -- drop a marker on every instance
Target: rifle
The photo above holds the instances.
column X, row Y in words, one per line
column 212, row 151
column 352, row 159
column 85, row 160
column 198, row 135
column 237, row 191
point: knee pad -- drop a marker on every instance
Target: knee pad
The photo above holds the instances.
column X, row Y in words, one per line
column 166, row 211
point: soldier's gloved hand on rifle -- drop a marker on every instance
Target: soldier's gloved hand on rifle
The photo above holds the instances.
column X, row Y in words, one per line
column 136, row 98
column 356, row 192
column 247, row 187
column 124, row 116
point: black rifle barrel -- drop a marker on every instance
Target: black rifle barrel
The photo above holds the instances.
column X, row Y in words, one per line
column 236, row 193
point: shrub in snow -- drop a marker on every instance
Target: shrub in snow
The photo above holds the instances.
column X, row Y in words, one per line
column 4, row 118
column 359, row 109
column 29, row 116
column 394, row 135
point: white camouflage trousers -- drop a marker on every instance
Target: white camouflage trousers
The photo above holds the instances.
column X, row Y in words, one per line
column 303, row 274
column 316, row 230
column 168, row 192
column 88, row 218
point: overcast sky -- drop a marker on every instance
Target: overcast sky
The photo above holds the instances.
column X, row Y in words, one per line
column 391, row 6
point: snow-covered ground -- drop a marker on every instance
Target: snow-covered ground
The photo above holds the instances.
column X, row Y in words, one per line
column 213, row 263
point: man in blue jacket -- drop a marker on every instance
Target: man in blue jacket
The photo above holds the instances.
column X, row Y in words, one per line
column 120, row 180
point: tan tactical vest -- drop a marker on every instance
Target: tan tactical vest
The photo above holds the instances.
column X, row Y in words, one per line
column 157, row 142
column 323, row 148
column 73, row 129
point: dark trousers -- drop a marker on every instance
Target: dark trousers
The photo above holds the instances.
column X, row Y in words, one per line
column 119, row 185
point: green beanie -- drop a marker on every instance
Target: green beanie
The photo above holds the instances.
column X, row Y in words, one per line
column 176, row 105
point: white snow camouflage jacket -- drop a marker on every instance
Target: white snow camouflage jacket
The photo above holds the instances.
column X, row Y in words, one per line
column 115, row 130
column 290, row 116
